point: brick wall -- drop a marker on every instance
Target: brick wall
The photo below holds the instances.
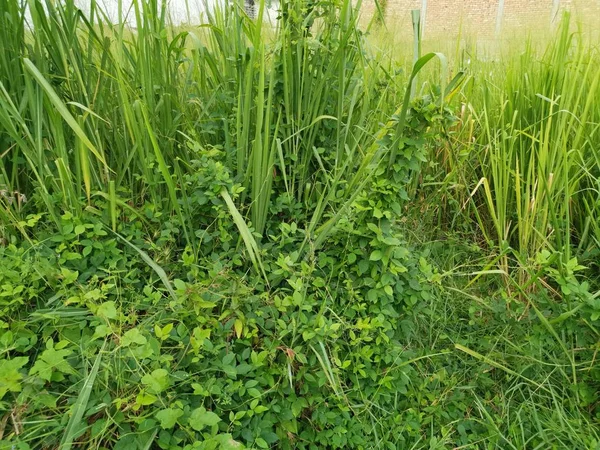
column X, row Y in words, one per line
column 446, row 17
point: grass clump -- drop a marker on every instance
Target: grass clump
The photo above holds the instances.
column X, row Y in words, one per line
column 220, row 237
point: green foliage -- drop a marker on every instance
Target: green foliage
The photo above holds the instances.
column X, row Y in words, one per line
column 522, row 162
column 51, row 364
column 210, row 240
column 11, row 377
column 354, row 349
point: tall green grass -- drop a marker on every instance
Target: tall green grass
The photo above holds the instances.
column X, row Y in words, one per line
column 522, row 163
column 92, row 109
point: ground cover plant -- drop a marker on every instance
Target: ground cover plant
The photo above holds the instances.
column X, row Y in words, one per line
column 279, row 235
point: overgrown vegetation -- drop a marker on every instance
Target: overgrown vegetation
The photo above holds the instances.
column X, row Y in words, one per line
column 243, row 235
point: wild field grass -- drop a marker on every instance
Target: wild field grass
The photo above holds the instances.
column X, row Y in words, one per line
column 294, row 235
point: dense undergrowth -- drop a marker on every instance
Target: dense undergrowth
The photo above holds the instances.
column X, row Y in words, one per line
column 251, row 236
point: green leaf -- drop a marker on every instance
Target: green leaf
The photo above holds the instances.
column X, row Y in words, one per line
column 201, row 418
column 363, row 266
column 157, row 381
column 227, row 442
column 145, row 399
column 81, row 404
column 254, row 393
column 168, row 417
column 298, row 405
column 239, row 327
column 180, row 285
column 260, row 442
column 249, row 241
column 133, row 336
column 126, row 442
column 153, row 265
column 163, row 333
column 391, row 241
column 376, row 255
column 69, row 276
column 418, row 65
column 374, row 228
column 62, row 109
column 260, row 409
column 10, row 377
column 107, row 310
column 101, row 331
column 50, row 361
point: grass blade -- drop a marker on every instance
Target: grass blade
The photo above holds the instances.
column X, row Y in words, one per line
column 80, row 405
column 246, row 234
column 153, row 264
column 62, row 108
column 497, row 365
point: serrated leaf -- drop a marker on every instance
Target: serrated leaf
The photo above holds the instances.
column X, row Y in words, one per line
column 203, row 304
column 228, row 359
